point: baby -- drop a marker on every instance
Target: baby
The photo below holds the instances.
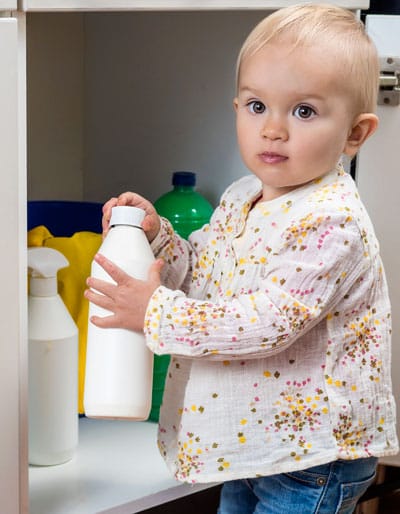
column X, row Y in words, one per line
column 276, row 313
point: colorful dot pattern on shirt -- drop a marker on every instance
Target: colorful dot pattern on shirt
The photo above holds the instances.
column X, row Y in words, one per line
column 278, row 321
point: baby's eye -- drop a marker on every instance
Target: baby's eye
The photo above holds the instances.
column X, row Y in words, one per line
column 304, row 112
column 256, row 107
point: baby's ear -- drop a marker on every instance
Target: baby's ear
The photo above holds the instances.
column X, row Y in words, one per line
column 363, row 126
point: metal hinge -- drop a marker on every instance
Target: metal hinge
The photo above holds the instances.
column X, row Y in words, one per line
column 389, row 81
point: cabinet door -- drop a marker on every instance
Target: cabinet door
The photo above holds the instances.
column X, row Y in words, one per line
column 13, row 466
column 378, row 178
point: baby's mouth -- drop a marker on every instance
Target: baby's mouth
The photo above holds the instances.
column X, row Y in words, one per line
column 272, row 157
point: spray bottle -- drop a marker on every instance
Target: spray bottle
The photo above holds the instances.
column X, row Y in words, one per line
column 119, row 366
column 53, row 364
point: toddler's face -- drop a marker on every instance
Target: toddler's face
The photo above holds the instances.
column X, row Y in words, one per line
column 293, row 116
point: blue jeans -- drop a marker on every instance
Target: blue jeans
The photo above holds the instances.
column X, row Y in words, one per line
column 332, row 488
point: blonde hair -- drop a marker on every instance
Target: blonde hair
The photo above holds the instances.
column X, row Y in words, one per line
column 317, row 24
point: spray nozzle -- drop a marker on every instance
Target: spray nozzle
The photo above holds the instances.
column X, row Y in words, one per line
column 43, row 265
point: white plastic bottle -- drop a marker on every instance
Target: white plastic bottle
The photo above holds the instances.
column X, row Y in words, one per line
column 53, row 364
column 119, row 366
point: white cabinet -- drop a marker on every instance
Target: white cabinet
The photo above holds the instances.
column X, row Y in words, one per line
column 379, row 183
column 169, row 5
column 13, row 470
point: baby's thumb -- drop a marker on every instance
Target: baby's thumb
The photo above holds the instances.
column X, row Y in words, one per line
column 155, row 271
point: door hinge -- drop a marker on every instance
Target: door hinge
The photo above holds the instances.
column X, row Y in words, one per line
column 389, row 81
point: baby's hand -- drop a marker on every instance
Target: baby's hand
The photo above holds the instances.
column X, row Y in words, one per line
column 151, row 222
column 126, row 299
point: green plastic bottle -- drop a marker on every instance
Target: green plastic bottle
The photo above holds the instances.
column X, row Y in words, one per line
column 187, row 210
column 184, row 207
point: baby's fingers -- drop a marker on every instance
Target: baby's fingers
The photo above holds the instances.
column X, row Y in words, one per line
column 100, row 293
column 134, row 200
column 105, row 222
column 106, row 321
column 116, row 273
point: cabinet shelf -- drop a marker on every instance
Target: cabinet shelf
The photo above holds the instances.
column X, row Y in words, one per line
column 117, row 469
column 168, row 5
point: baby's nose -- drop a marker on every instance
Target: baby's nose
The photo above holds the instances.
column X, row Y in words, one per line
column 274, row 128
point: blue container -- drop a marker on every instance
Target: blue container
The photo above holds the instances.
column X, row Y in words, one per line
column 64, row 218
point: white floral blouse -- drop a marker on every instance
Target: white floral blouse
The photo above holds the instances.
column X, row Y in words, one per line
column 278, row 322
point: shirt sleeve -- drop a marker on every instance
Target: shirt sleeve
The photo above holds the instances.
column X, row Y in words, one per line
column 179, row 255
column 319, row 259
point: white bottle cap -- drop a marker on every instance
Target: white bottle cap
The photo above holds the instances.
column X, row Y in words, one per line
column 127, row 215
